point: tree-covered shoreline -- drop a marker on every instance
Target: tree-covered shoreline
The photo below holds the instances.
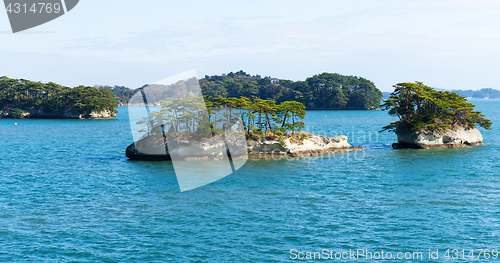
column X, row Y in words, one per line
column 325, row 91
column 51, row 100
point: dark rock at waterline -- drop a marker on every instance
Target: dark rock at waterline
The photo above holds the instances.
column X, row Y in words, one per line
column 150, row 148
column 133, row 154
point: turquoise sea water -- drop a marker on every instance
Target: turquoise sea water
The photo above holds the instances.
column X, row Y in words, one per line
column 68, row 194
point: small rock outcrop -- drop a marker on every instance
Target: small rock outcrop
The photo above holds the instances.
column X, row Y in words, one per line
column 459, row 137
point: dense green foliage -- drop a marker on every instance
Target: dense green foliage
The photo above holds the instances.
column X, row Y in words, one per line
column 420, row 108
column 208, row 116
column 122, row 93
column 322, row 91
column 157, row 93
column 19, row 94
column 260, row 115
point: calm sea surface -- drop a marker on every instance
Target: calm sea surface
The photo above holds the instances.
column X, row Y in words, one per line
column 67, row 193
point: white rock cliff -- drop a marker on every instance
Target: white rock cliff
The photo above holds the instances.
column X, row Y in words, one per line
column 306, row 145
column 441, row 139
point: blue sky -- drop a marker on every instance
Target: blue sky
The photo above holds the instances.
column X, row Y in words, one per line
column 443, row 43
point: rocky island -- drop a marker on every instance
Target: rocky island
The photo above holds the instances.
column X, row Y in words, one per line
column 433, row 119
column 20, row 98
column 229, row 128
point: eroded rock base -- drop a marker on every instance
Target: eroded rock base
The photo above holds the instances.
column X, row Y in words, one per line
column 458, row 138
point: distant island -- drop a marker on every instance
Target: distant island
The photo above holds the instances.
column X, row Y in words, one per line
column 20, row 98
column 430, row 118
column 325, row 91
column 485, row 93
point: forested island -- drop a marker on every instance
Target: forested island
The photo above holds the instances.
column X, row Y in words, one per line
column 20, row 98
column 325, row 91
column 429, row 118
